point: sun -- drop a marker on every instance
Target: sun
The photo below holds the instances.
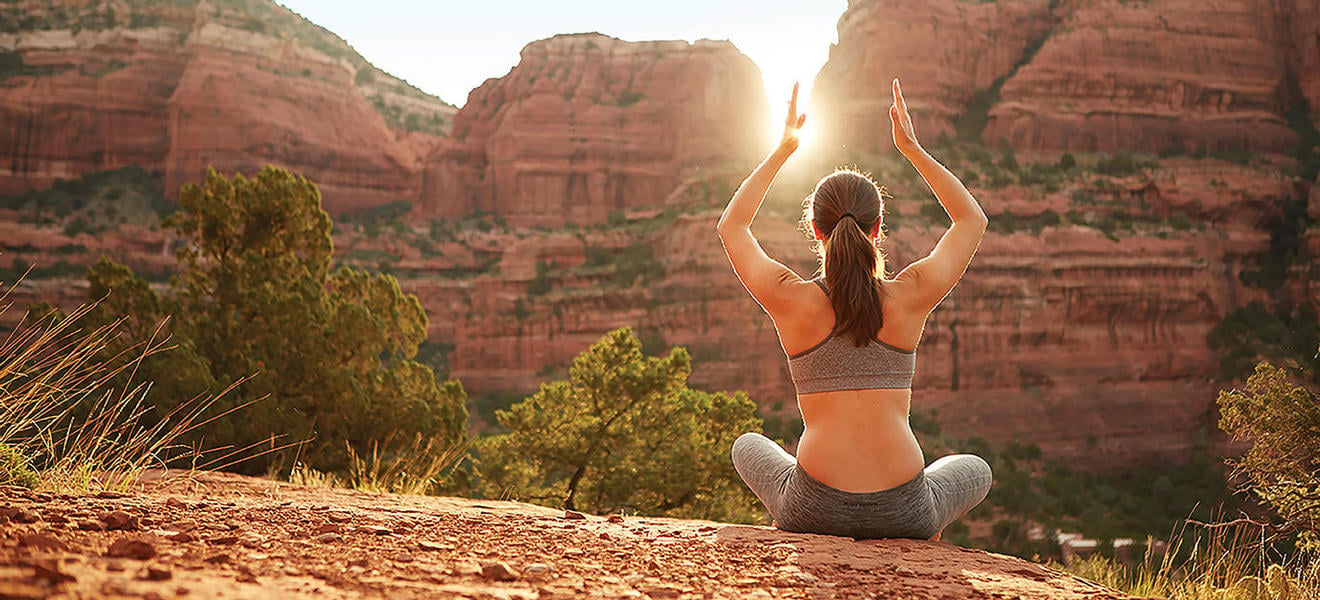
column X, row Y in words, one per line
column 778, row 91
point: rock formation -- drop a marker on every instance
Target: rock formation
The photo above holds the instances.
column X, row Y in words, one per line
column 586, row 125
column 174, row 87
column 1080, row 76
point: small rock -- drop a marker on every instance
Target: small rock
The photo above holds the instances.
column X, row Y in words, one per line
column 904, row 572
column 26, row 516
column 41, row 541
column 805, row 577
column 245, row 578
column 376, row 530
column 173, row 502
column 329, row 538
column 233, row 525
column 466, row 567
column 329, row 528
column 573, row 552
column 90, row 525
column 156, row 573
column 498, row 571
column 605, row 535
column 574, row 515
column 403, row 557
column 217, row 559
column 614, row 519
column 661, row 591
column 182, row 537
column 538, row 569
column 223, row 540
column 434, row 546
column 634, row 579
column 128, row 547
column 339, row 517
column 56, row 518
column 49, row 570
column 182, row 526
column 358, row 562
column 114, row 566
column 119, row 520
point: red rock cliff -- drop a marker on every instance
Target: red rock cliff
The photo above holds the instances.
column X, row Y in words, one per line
column 174, row 87
column 1090, row 76
column 588, row 124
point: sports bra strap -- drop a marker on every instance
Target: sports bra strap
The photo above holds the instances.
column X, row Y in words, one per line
column 820, row 281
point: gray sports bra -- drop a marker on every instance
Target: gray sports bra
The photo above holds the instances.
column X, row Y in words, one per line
column 836, row 363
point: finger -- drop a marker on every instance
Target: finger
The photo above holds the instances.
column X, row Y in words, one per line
column 792, row 104
column 802, row 120
column 898, row 96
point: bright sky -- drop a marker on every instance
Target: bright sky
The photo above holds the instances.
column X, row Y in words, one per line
column 448, row 47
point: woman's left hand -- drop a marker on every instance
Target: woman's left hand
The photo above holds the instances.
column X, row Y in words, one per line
column 792, row 125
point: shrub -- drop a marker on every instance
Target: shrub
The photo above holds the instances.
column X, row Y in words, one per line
column 623, row 433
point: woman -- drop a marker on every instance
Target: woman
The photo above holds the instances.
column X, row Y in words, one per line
column 851, row 338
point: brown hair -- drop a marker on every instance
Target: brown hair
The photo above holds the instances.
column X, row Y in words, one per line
column 845, row 206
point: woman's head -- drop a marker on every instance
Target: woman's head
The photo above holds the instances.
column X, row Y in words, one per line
column 844, row 214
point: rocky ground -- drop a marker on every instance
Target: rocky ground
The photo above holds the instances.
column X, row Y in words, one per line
column 226, row 536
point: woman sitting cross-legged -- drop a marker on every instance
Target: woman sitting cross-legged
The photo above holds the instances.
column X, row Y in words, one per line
column 851, row 337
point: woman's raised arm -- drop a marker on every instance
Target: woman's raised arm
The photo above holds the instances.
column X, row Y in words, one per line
column 935, row 275
column 760, row 274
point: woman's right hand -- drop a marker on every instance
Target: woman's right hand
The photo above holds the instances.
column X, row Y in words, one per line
column 905, row 137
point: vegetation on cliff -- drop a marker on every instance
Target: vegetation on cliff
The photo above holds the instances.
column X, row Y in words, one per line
column 624, row 433
column 326, row 358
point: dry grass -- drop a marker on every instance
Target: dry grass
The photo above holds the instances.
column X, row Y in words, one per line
column 1223, row 562
column 64, row 426
column 414, row 467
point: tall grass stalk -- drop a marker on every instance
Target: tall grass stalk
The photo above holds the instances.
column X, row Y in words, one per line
column 414, row 467
column 1225, row 561
column 63, row 420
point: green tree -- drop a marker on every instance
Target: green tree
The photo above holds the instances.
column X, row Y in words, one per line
column 325, row 357
column 1282, row 421
column 624, row 433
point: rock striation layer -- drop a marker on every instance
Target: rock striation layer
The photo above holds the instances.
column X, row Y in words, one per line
column 173, row 87
column 1080, row 76
column 586, row 125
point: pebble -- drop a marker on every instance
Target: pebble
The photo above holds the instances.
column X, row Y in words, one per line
column 223, row 540
column 329, row 538
column 42, row 541
column 90, row 525
column 182, row 537
column 129, row 547
column 574, row 515
column 538, row 569
column 117, row 520
column 339, row 517
column 329, row 528
column 904, row 572
column 173, row 502
column 605, row 535
column 156, row 573
column 614, row 519
column 661, row 591
column 805, row 577
column 434, row 546
column 498, row 571
column 376, row 529
column 49, row 570
column 358, row 562
column 26, row 516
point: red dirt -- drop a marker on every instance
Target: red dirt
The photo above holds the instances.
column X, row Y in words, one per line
column 211, row 535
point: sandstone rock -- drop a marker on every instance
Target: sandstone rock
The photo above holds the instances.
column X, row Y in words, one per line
column 26, row 515
column 173, row 502
column 42, row 541
column 498, row 571
column 574, row 515
column 435, row 546
column 49, row 570
column 156, row 573
column 638, row 117
column 119, row 520
column 328, row 528
column 614, row 519
column 329, row 538
column 130, row 547
column 168, row 87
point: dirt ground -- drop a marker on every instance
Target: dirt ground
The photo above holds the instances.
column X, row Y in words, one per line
column 210, row 535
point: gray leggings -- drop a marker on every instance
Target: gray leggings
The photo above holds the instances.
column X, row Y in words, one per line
column 919, row 508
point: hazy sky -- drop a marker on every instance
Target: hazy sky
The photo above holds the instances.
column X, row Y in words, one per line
column 448, row 47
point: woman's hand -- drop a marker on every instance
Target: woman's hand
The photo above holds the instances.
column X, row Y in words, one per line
column 792, row 125
column 905, row 137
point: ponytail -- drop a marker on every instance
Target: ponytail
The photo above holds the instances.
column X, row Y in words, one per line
column 844, row 207
column 850, row 275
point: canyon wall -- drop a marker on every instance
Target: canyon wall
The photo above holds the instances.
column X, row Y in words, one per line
column 1106, row 75
column 174, row 87
column 586, row 125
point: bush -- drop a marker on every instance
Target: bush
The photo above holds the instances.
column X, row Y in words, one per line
column 623, row 434
column 1282, row 422
column 332, row 354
